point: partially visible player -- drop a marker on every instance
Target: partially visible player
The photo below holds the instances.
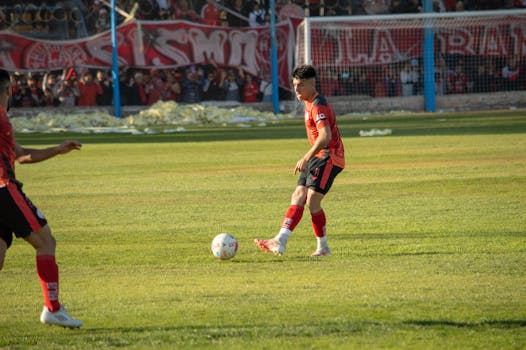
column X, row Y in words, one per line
column 318, row 167
column 18, row 215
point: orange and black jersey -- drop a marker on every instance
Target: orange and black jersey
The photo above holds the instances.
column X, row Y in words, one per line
column 7, row 149
column 318, row 114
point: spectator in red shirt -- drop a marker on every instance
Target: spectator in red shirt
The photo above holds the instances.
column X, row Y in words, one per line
column 157, row 89
column 210, row 14
column 250, row 89
column 88, row 91
column 458, row 80
column 450, row 5
column 172, row 87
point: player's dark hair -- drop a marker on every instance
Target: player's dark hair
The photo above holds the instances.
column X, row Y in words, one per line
column 303, row 72
column 5, row 80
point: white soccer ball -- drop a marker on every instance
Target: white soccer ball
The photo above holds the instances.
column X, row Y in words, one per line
column 224, row 246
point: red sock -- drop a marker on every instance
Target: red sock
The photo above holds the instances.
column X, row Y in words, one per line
column 292, row 217
column 47, row 271
column 318, row 223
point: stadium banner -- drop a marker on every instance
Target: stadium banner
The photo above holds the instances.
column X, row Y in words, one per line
column 156, row 45
column 369, row 43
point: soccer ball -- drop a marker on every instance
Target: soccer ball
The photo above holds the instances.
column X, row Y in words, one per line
column 224, row 246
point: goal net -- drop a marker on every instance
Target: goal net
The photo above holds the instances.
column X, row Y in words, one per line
column 384, row 56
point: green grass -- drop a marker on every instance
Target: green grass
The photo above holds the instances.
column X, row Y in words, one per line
column 427, row 228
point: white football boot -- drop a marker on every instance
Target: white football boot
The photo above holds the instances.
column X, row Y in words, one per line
column 271, row 246
column 323, row 251
column 59, row 318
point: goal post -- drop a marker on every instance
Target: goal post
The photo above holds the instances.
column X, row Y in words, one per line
column 384, row 55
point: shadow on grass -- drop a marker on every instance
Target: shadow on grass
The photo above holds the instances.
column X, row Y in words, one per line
column 487, row 323
column 426, row 235
column 313, row 329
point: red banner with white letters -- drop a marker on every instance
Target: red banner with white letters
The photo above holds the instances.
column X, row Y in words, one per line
column 377, row 42
column 156, row 45
column 174, row 44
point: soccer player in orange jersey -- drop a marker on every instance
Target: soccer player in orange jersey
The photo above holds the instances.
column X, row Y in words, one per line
column 318, row 168
column 18, row 215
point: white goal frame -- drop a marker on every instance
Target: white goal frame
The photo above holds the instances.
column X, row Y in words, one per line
column 307, row 54
column 431, row 26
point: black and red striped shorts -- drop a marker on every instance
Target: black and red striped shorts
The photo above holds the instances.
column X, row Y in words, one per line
column 18, row 214
column 320, row 174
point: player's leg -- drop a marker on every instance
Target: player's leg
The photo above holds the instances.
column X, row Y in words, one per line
column 323, row 173
column 31, row 225
column 27, row 222
column 291, row 219
column 293, row 215
column 318, row 222
column 47, row 270
column 6, row 233
column 43, row 241
column 3, row 250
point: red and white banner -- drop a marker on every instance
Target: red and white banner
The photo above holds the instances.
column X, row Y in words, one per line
column 156, row 45
column 360, row 43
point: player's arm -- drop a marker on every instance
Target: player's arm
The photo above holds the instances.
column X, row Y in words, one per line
column 324, row 137
column 30, row 155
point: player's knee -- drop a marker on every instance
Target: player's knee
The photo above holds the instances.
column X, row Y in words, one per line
column 50, row 243
column 314, row 206
column 299, row 197
column 43, row 241
column 314, row 203
column 47, row 237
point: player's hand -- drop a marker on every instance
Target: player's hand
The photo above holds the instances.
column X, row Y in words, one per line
column 301, row 166
column 69, row 145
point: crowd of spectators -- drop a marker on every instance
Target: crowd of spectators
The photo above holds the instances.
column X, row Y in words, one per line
column 81, row 87
column 453, row 75
column 192, row 84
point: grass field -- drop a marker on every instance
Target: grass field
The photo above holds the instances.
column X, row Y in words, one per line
column 427, row 228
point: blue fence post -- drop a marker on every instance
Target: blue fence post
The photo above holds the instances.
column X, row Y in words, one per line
column 115, row 62
column 429, row 60
column 274, row 58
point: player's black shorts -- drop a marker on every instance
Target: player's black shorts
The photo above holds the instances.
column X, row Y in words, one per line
column 320, row 174
column 18, row 215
